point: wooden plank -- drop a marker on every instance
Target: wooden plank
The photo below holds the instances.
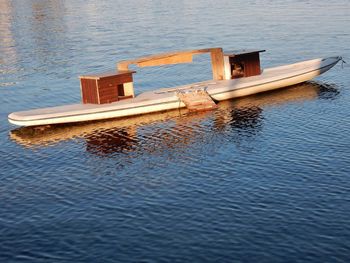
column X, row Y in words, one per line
column 115, row 80
column 252, row 65
column 167, row 58
column 233, row 53
column 173, row 59
column 108, row 90
column 217, row 63
column 108, row 74
column 108, row 94
column 129, row 89
column 89, row 91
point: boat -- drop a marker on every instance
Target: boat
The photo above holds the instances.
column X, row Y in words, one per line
column 117, row 131
column 235, row 74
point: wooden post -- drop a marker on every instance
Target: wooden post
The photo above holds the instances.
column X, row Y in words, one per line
column 122, row 66
column 217, row 63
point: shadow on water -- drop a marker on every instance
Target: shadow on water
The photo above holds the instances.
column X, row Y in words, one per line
column 243, row 118
column 327, row 91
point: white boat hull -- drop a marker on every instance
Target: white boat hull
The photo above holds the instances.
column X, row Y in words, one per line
column 166, row 99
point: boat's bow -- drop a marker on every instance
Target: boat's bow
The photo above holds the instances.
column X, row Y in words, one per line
column 328, row 63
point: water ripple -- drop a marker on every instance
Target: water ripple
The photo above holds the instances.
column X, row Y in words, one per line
column 263, row 178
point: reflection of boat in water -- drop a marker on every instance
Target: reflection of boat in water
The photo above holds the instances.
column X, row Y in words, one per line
column 235, row 74
column 48, row 135
column 105, row 137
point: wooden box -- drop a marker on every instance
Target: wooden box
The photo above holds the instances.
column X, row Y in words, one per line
column 243, row 63
column 106, row 88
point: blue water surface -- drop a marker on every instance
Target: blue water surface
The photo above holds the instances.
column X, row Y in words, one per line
column 260, row 179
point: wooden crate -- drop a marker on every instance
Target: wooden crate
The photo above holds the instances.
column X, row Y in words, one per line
column 248, row 60
column 106, row 88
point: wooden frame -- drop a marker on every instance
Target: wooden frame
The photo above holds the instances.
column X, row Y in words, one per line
column 216, row 54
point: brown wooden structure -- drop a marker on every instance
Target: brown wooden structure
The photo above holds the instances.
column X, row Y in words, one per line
column 111, row 87
column 243, row 63
column 107, row 88
column 216, row 54
column 118, row 85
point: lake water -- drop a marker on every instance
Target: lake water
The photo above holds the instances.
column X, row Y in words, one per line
column 261, row 179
